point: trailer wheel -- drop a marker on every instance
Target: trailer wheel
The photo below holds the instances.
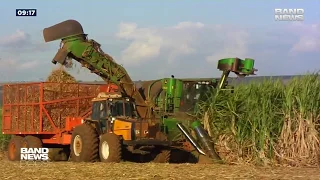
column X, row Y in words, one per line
column 14, row 146
column 162, row 157
column 32, row 142
column 84, row 144
column 110, row 148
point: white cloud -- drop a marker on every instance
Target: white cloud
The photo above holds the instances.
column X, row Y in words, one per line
column 187, row 49
column 179, row 41
column 195, row 46
column 145, row 44
column 148, row 43
column 16, row 40
column 188, row 24
column 7, row 63
column 11, row 64
column 29, row 64
column 307, row 44
column 22, row 41
column 309, row 38
column 235, row 45
column 212, row 41
column 18, row 53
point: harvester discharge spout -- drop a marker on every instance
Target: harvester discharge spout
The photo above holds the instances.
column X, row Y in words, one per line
column 207, row 146
column 238, row 66
column 205, row 140
column 75, row 45
column 62, row 30
column 185, row 131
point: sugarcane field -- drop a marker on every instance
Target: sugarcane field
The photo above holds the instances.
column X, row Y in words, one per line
column 160, row 90
column 274, row 135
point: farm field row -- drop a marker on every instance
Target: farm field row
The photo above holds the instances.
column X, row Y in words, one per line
column 69, row 170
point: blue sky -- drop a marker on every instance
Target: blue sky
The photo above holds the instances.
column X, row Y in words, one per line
column 154, row 39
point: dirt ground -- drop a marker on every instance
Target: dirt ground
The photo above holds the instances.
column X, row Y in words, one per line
column 70, row 171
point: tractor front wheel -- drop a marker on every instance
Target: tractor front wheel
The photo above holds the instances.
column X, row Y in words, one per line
column 84, row 144
column 14, row 147
column 110, row 148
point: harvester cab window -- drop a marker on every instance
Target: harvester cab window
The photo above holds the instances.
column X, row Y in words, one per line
column 190, row 92
column 187, row 97
column 193, row 93
column 203, row 91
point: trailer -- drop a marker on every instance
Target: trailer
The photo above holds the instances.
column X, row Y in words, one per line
column 44, row 114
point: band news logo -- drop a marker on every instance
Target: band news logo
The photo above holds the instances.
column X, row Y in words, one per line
column 34, row 156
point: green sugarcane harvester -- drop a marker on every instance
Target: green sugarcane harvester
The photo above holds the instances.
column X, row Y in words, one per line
column 151, row 116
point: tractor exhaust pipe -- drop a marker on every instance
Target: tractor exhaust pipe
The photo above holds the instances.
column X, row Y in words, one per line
column 205, row 140
column 185, row 131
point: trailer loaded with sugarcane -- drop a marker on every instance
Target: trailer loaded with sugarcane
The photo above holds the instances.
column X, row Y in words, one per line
column 151, row 121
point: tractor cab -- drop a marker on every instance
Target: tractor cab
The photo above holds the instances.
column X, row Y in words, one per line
column 108, row 107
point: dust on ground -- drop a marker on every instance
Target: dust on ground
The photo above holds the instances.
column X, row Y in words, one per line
column 128, row 171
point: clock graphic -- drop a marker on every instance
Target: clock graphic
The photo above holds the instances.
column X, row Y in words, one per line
column 26, row 12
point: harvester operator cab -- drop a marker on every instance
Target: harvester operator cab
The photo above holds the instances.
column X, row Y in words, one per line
column 195, row 91
column 109, row 106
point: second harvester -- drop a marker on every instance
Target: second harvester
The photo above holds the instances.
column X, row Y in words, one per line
column 150, row 120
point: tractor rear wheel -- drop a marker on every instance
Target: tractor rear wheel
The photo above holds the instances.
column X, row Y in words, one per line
column 14, row 147
column 32, row 142
column 84, row 144
column 110, row 148
column 162, row 157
